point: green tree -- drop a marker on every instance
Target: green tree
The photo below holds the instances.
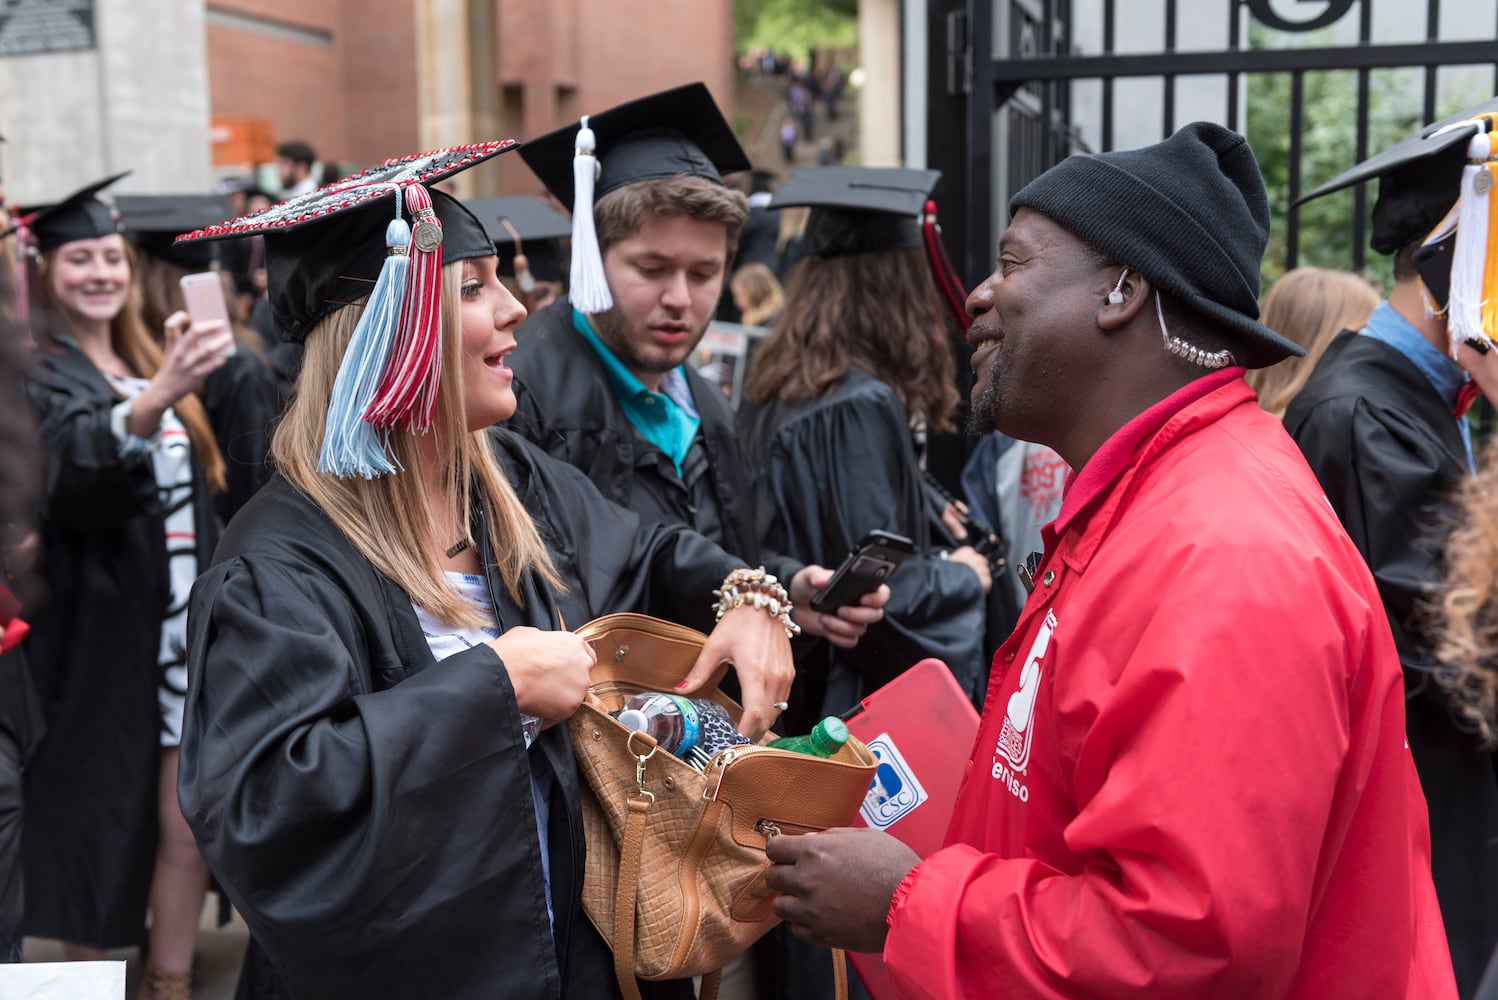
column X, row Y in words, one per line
column 1328, row 142
column 795, row 26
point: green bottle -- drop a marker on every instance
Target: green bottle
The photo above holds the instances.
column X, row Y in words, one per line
column 825, row 739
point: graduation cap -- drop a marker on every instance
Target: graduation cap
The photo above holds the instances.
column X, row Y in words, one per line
column 672, row 133
column 525, row 225
column 382, row 233
column 1433, row 189
column 858, row 210
column 79, row 216
column 152, row 222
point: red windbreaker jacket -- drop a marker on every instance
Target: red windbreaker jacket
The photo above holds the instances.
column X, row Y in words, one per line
column 1191, row 779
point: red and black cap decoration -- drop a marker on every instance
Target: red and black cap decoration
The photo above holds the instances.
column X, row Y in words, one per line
column 381, row 237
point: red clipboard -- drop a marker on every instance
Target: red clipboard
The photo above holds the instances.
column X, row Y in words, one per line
column 921, row 726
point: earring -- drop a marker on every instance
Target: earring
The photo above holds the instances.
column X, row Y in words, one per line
column 1115, row 297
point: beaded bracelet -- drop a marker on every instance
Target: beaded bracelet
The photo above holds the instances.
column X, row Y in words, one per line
column 762, row 590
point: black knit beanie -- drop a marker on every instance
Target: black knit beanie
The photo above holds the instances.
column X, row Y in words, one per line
column 1189, row 213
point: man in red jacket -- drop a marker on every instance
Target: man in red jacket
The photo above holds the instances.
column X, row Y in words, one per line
column 1191, row 777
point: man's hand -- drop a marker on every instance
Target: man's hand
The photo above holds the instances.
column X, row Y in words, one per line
column 837, row 885
column 843, row 629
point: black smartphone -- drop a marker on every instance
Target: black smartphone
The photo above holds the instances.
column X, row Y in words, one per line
column 866, row 567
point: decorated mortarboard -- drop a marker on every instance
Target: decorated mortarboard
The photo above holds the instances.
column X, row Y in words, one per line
column 673, row 133
column 79, row 216
column 1434, row 188
column 858, row 210
column 152, row 222
column 528, row 227
column 383, row 233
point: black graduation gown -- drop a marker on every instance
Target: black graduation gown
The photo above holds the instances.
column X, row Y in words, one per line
column 566, row 405
column 827, row 472
column 241, row 401
column 368, row 810
column 1388, row 453
column 89, row 840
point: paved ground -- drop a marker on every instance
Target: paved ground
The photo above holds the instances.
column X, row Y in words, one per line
column 219, row 952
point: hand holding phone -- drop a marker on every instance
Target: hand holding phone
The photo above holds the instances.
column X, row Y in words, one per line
column 203, row 296
column 868, row 566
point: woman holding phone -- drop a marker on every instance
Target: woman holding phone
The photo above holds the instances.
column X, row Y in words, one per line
column 240, row 396
column 125, row 527
column 854, row 372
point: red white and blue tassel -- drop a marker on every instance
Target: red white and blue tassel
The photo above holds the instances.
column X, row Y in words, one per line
column 351, row 446
column 407, row 395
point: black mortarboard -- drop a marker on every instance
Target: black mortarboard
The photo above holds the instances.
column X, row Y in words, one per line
column 540, row 229
column 352, row 239
column 1418, row 179
column 675, row 132
column 859, row 209
column 79, row 216
column 152, row 222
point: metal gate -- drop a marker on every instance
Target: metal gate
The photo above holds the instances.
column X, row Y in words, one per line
column 1007, row 81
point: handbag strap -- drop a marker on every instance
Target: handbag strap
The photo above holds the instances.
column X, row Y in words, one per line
column 627, row 893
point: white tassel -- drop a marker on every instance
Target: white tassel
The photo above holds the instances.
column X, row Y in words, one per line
column 1469, row 259
column 589, row 289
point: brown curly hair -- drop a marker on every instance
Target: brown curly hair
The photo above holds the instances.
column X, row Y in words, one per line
column 1466, row 617
column 875, row 311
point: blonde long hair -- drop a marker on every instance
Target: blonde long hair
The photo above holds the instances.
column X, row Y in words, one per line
column 388, row 519
column 132, row 340
column 1310, row 305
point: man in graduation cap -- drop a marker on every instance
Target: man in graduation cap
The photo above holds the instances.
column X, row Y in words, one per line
column 600, row 376
column 1382, row 422
column 1190, row 779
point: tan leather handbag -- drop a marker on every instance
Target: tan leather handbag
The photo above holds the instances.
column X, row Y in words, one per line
column 675, row 878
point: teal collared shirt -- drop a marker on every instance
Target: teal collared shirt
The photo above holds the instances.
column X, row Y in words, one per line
column 668, row 419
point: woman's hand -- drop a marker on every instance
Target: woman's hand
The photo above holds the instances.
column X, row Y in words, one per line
column 755, row 643
column 548, row 670
column 954, row 519
column 191, row 352
column 973, row 560
column 843, row 629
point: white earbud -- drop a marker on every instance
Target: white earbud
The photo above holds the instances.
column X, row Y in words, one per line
column 1115, row 297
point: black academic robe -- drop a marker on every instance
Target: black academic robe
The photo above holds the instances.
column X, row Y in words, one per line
column 241, row 401
column 369, row 810
column 1387, row 450
column 89, row 841
column 830, row 470
column 566, row 405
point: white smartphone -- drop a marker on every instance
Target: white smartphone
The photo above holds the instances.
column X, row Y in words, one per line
column 203, row 297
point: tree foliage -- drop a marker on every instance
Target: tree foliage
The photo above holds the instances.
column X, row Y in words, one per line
column 1328, row 143
column 795, row 26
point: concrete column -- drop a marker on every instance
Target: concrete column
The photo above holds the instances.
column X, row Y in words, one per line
column 137, row 101
column 457, row 81
column 879, row 101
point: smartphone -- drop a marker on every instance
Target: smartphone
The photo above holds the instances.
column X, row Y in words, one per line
column 866, row 567
column 203, row 296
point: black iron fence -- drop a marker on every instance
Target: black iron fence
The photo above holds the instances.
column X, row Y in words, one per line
column 1005, row 75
